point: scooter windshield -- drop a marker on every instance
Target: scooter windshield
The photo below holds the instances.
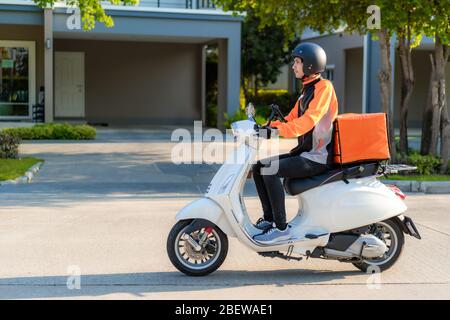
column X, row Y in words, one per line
column 243, row 128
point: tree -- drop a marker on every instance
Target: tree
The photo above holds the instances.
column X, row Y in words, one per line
column 263, row 53
column 90, row 10
column 435, row 121
column 407, row 21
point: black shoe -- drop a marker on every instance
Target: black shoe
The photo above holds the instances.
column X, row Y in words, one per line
column 263, row 224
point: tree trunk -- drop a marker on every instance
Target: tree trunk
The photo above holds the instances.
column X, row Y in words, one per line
column 407, row 90
column 245, row 89
column 256, row 86
column 445, row 124
column 385, row 76
column 436, row 103
column 427, row 117
column 445, row 139
column 436, row 111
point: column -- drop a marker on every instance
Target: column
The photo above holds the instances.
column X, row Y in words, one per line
column 229, row 77
column 48, row 63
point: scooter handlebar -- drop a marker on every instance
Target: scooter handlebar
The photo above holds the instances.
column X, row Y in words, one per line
column 275, row 114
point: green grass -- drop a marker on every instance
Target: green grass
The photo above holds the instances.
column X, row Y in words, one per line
column 433, row 177
column 14, row 168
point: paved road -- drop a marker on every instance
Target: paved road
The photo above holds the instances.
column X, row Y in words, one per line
column 114, row 233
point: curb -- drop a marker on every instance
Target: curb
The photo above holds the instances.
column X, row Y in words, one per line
column 27, row 176
column 430, row 187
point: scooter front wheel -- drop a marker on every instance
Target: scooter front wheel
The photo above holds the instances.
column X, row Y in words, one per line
column 200, row 258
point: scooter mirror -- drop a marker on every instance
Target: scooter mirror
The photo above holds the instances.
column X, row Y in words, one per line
column 250, row 111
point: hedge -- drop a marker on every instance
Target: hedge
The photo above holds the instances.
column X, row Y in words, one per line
column 54, row 131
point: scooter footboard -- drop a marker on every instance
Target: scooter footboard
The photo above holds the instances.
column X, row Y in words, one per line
column 209, row 210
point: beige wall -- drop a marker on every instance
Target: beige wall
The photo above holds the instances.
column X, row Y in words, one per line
column 353, row 80
column 335, row 46
column 28, row 33
column 139, row 82
column 282, row 82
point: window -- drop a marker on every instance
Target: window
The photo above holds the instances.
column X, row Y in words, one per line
column 17, row 79
column 329, row 72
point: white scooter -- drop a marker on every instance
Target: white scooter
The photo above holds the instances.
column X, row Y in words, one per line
column 345, row 214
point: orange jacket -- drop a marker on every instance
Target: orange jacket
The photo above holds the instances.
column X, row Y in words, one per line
column 311, row 120
column 324, row 99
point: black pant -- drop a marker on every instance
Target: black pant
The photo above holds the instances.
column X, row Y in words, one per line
column 270, row 188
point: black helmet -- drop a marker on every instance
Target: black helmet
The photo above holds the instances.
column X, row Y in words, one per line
column 313, row 56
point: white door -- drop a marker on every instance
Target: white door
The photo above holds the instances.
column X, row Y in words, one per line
column 69, row 84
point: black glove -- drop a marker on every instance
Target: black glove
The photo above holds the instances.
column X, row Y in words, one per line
column 267, row 132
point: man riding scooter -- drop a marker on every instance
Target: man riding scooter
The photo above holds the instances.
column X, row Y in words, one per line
column 311, row 121
column 344, row 214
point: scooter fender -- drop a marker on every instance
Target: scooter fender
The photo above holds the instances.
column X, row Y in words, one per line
column 207, row 209
column 339, row 206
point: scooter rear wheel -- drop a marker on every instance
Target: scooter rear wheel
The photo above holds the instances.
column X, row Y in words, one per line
column 196, row 263
column 392, row 235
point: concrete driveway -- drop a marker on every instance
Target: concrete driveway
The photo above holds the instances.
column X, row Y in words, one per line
column 103, row 209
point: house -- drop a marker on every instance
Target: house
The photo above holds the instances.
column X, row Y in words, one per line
column 353, row 63
column 147, row 69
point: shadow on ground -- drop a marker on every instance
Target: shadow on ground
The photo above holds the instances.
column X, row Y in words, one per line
column 153, row 282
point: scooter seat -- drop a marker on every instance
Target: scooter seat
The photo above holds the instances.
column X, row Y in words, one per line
column 294, row 186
